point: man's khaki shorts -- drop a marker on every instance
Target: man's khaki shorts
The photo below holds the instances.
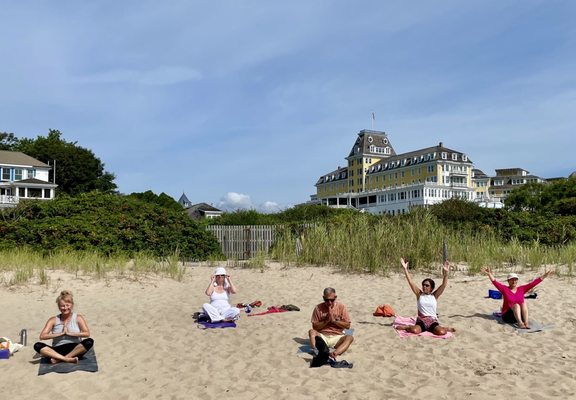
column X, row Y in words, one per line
column 331, row 340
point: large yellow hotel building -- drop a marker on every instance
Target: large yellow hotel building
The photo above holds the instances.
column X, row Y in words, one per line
column 380, row 181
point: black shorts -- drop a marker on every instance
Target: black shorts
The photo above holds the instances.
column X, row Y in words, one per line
column 509, row 317
column 422, row 326
column 66, row 348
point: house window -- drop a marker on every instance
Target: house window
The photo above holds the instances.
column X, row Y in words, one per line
column 17, row 174
column 444, row 155
column 5, row 174
column 454, row 156
column 35, row 192
column 21, row 192
column 31, row 173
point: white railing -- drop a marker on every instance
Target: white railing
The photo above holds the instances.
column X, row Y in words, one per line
column 5, row 199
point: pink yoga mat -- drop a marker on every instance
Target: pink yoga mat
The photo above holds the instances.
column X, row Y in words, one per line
column 412, row 321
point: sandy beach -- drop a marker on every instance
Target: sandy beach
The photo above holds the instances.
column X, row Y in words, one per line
column 149, row 347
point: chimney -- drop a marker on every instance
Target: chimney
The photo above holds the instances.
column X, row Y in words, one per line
column 440, row 144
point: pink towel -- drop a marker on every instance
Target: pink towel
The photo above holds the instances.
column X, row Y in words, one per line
column 412, row 321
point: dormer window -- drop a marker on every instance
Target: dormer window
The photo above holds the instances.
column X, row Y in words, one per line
column 454, row 157
column 444, row 155
column 464, row 157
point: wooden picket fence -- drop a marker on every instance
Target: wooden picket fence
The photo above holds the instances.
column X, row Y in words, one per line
column 242, row 242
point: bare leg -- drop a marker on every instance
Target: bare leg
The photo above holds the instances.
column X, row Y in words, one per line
column 524, row 312
column 312, row 335
column 442, row 330
column 518, row 315
column 342, row 345
column 410, row 328
column 56, row 357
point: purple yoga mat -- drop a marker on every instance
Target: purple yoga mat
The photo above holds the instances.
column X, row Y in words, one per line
column 221, row 324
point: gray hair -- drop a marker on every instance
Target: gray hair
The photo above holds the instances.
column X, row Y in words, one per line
column 328, row 291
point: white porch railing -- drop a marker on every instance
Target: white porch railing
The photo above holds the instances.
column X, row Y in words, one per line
column 5, row 199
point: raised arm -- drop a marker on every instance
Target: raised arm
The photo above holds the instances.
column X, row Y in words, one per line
column 547, row 273
column 231, row 288
column 445, row 271
column 488, row 272
column 411, row 283
column 210, row 287
column 537, row 281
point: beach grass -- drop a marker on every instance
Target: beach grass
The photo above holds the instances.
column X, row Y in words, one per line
column 376, row 246
column 23, row 265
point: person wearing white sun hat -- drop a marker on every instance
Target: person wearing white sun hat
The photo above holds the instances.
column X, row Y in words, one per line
column 514, row 308
column 219, row 291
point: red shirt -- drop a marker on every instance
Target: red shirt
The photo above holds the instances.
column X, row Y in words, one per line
column 339, row 313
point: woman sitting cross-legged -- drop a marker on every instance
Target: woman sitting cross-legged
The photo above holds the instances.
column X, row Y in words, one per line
column 427, row 303
column 514, row 308
column 69, row 333
column 219, row 290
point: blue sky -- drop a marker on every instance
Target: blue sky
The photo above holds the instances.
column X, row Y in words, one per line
column 246, row 103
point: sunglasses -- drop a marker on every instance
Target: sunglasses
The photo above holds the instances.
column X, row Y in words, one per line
column 329, row 300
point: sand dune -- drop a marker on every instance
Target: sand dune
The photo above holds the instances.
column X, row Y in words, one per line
column 148, row 346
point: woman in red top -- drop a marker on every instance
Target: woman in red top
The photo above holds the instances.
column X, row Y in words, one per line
column 514, row 309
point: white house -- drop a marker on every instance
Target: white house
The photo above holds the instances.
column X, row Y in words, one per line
column 23, row 177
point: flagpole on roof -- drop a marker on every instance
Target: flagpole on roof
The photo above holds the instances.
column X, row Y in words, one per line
column 373, row 118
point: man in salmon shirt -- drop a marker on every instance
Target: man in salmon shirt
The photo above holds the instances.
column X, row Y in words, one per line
column 329, row 321
column 514, row 309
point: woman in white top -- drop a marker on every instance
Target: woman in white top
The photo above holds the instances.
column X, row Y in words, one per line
column 69, row 333
column 219, row 291
column 427, row 297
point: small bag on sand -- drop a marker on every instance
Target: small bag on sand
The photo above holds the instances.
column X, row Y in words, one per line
column 385, row 310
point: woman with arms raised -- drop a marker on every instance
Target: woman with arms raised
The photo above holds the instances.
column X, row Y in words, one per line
column 219, row 291
column 514, row 308
column 426, row 299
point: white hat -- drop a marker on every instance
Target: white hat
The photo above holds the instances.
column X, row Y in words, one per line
column 512, row 275
column 220, row 271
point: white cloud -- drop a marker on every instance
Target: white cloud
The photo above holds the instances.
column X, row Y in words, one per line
column 232, row 201
column 236, row 201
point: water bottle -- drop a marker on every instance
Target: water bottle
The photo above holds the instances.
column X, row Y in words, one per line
column 247, row 309
column 23, row 337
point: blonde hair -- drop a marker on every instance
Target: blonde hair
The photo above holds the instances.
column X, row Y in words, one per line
column 65, row 295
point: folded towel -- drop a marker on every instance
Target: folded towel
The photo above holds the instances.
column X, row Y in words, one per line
column 412, row 321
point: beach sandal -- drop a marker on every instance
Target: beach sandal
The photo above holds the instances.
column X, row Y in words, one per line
column 341, row 364
column 256, row 303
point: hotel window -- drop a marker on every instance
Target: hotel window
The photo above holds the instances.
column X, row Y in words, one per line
column 5, row 174
column 18, row 174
